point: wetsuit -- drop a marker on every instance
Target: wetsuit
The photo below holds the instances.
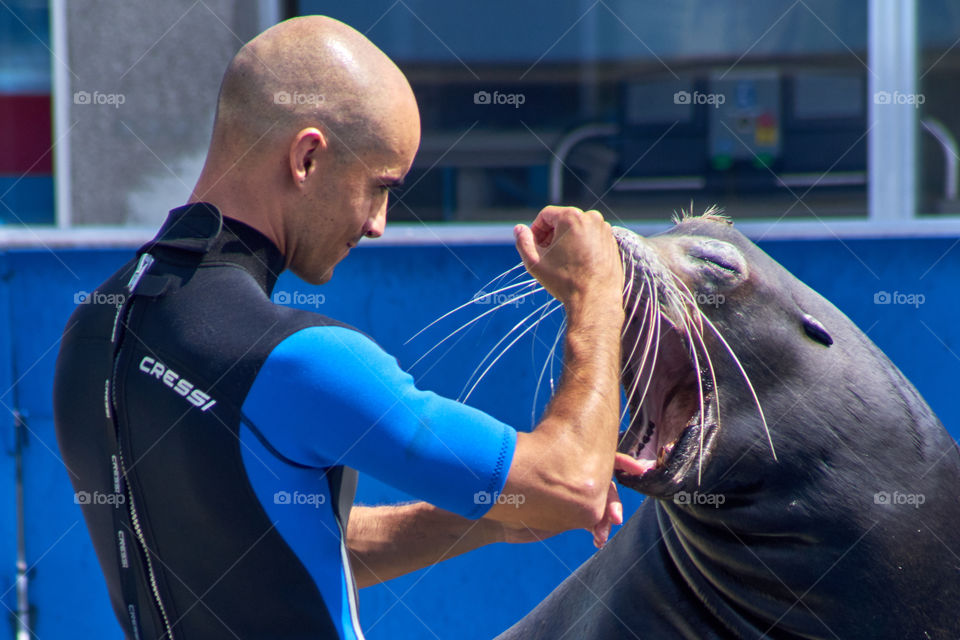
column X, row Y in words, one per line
column 213, row 437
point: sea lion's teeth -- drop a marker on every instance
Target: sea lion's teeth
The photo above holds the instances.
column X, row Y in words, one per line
column 660, row 456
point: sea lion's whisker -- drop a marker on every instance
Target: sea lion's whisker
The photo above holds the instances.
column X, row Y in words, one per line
column 689, row 331
column 507, row 335
column 653, row 338
column 657, row 315
column 642, row 332
column 512, row 300
column 474, row 300
column 533, row 355
column 716, row 394
column 504, row 275
column 633, row 310
column 696, row 331
column 507, row 348
column 627, row 290
column 746, row 379
column 553, row 352
column 548, row 361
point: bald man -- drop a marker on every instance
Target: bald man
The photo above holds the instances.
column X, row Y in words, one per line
column 213, row 437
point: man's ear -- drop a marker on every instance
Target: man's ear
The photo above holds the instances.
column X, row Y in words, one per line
column 305, row 151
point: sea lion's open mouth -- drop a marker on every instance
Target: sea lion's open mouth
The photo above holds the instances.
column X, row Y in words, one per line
column 667, row 377
column 664, row 428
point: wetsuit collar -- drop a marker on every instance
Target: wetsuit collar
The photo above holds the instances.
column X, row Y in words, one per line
column 200, row 229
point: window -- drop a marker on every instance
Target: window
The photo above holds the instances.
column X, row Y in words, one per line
column 938, row 63
column 26, row 157
column 749, row 105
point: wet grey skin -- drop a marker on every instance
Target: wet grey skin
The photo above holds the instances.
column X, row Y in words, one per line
column 798, row 485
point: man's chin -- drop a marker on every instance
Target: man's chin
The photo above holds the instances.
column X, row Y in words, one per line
column 315, row 277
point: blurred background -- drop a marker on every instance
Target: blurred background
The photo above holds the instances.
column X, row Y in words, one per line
column 823, row 127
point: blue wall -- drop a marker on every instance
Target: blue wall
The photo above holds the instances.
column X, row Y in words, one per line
column 391, row 293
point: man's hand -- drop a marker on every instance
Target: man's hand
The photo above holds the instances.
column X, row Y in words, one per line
column 611, row 516
column 519, row 533
column 572, row 253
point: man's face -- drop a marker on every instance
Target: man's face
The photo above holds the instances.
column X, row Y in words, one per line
column 349, row 202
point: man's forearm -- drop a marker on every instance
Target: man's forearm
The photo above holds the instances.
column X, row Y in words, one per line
column 390, row 541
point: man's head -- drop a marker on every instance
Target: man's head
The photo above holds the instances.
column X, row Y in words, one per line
column 314, row 124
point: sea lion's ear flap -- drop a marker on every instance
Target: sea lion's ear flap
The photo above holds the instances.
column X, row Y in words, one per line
column 816, row 330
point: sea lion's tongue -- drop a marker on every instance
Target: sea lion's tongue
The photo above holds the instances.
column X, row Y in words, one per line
column 632, row 466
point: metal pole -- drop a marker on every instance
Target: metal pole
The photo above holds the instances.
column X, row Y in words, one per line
column 892, row 106
column 23, row 581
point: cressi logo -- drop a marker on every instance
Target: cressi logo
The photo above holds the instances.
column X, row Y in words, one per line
column 156, row 369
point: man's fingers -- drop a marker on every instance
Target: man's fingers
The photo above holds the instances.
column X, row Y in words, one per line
column 611, row 516
column 526, row 246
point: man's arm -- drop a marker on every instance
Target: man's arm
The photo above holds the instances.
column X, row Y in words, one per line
column 387, row 542
column 563, row 467
column 390, row 541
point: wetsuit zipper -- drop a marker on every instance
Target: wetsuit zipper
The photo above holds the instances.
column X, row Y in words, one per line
column 138, row 530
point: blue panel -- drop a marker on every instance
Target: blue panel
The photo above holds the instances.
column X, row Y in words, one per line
column 26, row 200
column 391, row 293
column 67, row 591
column 24, row 47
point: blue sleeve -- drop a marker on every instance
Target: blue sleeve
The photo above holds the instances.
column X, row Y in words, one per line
column 330, row 396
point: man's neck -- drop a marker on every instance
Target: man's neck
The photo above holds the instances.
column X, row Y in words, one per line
column 241, row 201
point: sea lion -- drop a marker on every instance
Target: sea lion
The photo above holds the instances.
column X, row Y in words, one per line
column 798, row 485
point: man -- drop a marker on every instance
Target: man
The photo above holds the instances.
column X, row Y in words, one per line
column 226, row 429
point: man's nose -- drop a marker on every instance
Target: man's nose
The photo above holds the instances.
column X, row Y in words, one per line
column 375, row 226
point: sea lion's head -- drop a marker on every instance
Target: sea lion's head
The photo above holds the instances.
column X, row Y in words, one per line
column 720, row 345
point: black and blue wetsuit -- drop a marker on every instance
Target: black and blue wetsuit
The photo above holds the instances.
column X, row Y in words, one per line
column 213, row 437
